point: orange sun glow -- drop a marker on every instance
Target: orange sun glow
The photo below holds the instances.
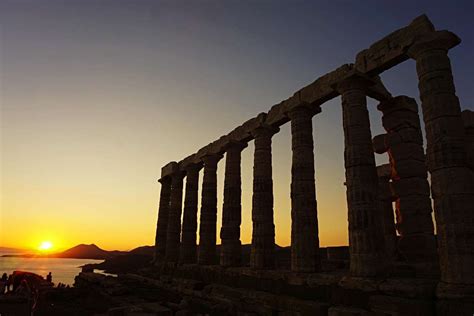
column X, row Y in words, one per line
column 45, row 246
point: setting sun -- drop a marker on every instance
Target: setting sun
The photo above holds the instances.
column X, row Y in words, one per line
column 45, row 246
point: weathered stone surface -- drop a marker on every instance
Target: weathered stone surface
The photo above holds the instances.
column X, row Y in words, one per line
column 231, row 251
column 190, row 161
column 162, row 223
column 208, row 221
column 398, row 306
column 169, row 169
column 446, row 156
column 468, row 120
column 365, row 229
column 304, row 217
column 263, row 233
column 188, row 252
column 392, row 49
column 385, row 208
column 350, row 311
column 173, row 236
column 408, row 172
column 243, row 133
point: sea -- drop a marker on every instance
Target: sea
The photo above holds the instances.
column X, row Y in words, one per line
column 63, row 270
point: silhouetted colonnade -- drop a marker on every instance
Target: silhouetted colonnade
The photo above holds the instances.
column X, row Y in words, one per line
column 371, row 189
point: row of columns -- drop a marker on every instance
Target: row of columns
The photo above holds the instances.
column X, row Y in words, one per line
column 305, row 243
column 452, row 184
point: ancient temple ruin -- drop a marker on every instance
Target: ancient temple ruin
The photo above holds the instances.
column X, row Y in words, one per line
column 441, row 277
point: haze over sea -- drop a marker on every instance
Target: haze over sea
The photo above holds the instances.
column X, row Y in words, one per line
column 63, row 269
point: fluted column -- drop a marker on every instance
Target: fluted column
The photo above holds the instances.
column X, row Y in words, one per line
column 404, row 144
column 162, row 223
column 188, row 252
column 304, row 216
column 452, row 181
column 208, row 221
column 365, row 235
column 231, row 252
column 262, row 253
column 174, row 219
column 386, row 198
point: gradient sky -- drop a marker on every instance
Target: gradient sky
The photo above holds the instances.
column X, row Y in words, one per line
column 96, row 96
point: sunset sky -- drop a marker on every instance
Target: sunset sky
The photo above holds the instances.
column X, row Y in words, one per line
column 96, row 96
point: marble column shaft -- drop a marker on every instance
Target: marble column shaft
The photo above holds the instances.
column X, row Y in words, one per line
column 365, row 235
column 174, row 219
column 188, row 239
column 208, row 220
column 304, row 217
column 452, row 181
column 262, row 253
column 231, row 249
column 162, row 223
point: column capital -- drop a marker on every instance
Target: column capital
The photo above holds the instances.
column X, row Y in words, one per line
column 303, row 108
column 265, row 130
column 178, row 175
column 354, row 80
column 194, row 167
column 211, row 158
column 439, row 40
column 165, row 180
column 235, row 146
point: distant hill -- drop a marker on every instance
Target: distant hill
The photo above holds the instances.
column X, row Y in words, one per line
column 83, row 251
column 12, row 250
column 143, row 250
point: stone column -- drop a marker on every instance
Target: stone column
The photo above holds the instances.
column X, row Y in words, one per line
column 404, row 144
column 452, row 181
column 208, row 221
column 162, row 224
column 231, row 252
column 386, row 199
column 188, row 239
column 304, row 216
column 174, row 219
column 262, row 253
column 365, row 235
column 468, row 120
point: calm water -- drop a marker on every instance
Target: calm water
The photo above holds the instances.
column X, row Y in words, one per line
column 63, row 270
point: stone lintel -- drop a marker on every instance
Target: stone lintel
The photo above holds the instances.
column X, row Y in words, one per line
column 243, row 133
column 313, row 109
column 321, row 90
column 354, row 78
column 392, row 49
column 190, row 162
column 235, row 144
column 276, row 116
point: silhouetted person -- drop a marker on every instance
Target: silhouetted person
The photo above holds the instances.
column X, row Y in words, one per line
column 3, row 283
column 10, row 283
column 49, row 278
